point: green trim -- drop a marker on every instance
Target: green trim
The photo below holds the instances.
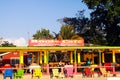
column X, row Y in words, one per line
column 75, row 56
column 47, row 57
column 100, row 57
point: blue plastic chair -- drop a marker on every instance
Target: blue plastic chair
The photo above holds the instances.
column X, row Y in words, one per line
column 8, row 73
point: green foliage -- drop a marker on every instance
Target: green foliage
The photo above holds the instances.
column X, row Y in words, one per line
column 84, row 27
column 106, row 17
column 42, row 34
column 7, row 44
column 67, row 31
column 103, row 26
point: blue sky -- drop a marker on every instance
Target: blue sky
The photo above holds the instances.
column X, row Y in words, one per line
column 18, row 17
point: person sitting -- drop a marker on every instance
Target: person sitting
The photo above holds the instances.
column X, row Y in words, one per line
column 88, row 62
column 60, row 64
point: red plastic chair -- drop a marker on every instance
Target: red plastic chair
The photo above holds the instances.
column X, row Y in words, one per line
column 108, row 67
column 88, row 72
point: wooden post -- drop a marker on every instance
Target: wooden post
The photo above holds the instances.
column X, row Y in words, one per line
column 21, row 58
column 45, row 57
column 75, row 64
column 113, row 57
column 33, row 57
column 100, row 58
column 40, row 57
column 71, row 57
column 114, row 60
column 37, row 57
column 103, row 59
column 79, row 58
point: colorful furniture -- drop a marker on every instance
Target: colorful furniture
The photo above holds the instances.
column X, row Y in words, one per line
column 93, row 66
column 69, row 72
column 104, row 72
column 68, row 69
column 19, row 73
column 108, row 66
column 55, row 72
column 37, row 73
column 88, row 72
column 8, row 73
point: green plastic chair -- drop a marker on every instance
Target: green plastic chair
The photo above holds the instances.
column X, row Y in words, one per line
column 19, row 73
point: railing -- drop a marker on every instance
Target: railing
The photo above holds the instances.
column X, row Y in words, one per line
column 78, row 67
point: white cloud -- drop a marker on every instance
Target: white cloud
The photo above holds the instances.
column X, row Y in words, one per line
column 16, row 41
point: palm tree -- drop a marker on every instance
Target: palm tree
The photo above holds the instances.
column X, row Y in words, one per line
column 67, row 33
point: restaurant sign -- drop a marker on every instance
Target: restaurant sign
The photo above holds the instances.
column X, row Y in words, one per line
column 56, row 42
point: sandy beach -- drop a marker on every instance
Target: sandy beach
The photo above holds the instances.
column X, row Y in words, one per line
column 76, row 77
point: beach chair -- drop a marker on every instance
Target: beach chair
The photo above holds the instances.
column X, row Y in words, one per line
column 37, row 73
column 93, row 66
column 108, row 66
column 88, row 72
column 104, row 72
column 70, row 72
column 8, row 73
column 19, row 73
column 55, row 72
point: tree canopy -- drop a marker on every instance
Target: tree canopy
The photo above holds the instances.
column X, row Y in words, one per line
column 42, row 34
column 7, row 44
column 106, row 17
column 103, row 26
column 67, row 32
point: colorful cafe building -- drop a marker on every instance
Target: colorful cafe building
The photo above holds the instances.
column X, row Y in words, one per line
column 77, row 53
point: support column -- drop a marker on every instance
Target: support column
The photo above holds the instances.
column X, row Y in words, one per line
column 113, row 57
column 75, row 64
column 45, row 57
column 113, row 60
column 79, row 58
column 71, row 57
column 100, row 58
column 92, row 57
column 40, row 57
column 33, row 57
column 37, row 57
column 103, row 59
column 21, row 58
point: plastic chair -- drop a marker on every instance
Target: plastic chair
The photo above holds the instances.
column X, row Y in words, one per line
column 19, row 73
column 108, row 67
column 93, row 66
column 104, row 72
column 37, row 73
column 55, row 72
column 70, row 72
column 88, row 72
column 8, row 73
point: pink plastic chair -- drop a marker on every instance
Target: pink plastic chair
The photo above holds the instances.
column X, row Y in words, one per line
column 69, row 71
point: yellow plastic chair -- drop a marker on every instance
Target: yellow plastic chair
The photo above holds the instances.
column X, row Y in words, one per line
column 37, row 73
column 93, row 66
column 55, row 72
